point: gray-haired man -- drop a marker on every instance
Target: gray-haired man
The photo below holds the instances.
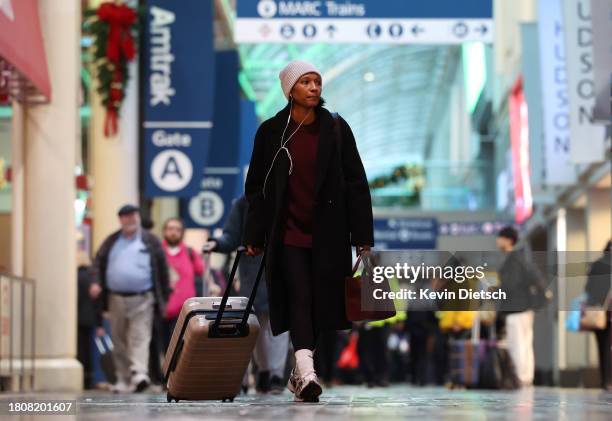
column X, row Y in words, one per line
column 132, row 271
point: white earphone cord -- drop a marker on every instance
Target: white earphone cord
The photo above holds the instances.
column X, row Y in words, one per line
column 284, row 147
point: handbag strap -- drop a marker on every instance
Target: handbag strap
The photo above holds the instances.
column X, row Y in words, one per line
column 358, row 261
column 356, row 265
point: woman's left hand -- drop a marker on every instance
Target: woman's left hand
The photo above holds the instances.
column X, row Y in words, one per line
column 362, row 249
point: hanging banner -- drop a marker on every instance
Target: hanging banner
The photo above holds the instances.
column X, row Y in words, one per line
column 587, row 139
column 216, row 191
column 519, row 141
column 364, row 21
column 601, row 11
column 178, row 95
column 559, row 169
column 533, row 95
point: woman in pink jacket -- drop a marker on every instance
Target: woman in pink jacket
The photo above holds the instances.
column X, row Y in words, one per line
column 185, row 265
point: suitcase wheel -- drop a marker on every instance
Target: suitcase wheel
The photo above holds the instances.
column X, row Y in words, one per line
column 228, row 400
column 170, row 398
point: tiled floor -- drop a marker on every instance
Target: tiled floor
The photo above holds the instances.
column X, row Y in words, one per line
column 344, row 403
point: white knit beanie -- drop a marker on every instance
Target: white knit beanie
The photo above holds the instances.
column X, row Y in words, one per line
column 293, row 72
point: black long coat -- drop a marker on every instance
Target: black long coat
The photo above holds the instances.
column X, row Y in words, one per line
column 342, row 216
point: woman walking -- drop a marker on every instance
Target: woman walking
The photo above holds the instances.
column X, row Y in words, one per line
column 309, row 201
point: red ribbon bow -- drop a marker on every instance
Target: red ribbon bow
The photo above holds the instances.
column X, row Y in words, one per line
column 120, row 42
column 119, row 18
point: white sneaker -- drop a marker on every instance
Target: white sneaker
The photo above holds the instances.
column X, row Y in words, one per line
column 305, row 389
column 292, row 384
column 140, row 382
column 120, row 387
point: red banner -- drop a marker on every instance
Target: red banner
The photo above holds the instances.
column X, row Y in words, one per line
column 21, row 42
column 519, row 140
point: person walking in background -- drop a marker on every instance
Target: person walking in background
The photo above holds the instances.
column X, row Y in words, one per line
column 421, row 325
column 87, row 316
column 309, row 201
column 131, row 269
column 598, row 294
column 373, row 352
column 270, row 351
column 517, row 279
column 185, row 266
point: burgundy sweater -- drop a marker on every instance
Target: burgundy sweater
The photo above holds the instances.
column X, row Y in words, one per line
column 301, row 185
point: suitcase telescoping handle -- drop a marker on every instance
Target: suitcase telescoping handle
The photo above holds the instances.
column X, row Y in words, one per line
column 247, row 311
column 223, row 305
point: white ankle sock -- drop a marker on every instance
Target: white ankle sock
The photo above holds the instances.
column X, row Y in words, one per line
column 304, row 362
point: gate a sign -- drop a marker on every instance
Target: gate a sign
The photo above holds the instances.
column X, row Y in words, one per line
column 171, row 170
column 178, row 95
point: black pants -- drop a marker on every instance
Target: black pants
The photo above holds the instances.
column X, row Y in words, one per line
column 168, row 328
column 297, row 272
column 84, row 354
column 373, row 354
column 156, row 350
column 441, row 357
column 418, row 358
column 603, row 348
column 326, row 355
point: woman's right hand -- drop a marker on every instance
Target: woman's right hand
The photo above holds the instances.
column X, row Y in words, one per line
column 253, row 251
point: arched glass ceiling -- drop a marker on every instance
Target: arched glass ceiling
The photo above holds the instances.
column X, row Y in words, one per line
column 388, row 94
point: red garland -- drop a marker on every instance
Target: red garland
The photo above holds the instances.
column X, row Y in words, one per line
column 119, row 47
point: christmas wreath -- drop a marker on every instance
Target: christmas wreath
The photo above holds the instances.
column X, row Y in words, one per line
column 114, row 26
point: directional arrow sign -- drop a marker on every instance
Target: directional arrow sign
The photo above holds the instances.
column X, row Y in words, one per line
column 416, row 30
column 374, row 30
column 483, row 29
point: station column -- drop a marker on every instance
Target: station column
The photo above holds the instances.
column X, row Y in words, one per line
column 44, row 239
column 114, row 159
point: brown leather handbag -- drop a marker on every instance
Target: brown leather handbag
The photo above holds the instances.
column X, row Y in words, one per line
column 595, row 317
column 355, row 286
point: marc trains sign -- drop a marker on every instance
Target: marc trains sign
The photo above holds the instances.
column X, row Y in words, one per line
column 364, row 21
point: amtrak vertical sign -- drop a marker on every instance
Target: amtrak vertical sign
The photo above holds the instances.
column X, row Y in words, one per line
column 178, row 95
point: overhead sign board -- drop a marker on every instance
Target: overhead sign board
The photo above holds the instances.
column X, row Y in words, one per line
column 405, row 233
column 364, row 21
